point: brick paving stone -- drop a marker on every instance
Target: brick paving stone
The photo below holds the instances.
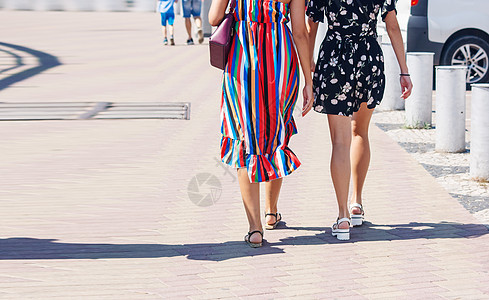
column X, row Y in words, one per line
column 99, row 209
column 387, row 295
column 464, row 294
column 298, row 290
column 265, row 297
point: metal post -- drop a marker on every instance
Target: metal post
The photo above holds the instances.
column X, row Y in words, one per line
column 206, row 5
column 479, row 141
column 177, row 7
column 450, row 108
column 419, row 106
column 392, row 95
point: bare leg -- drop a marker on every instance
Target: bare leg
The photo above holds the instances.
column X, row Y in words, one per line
column 360, row 152
column 164, row 31
column 250, row 192
column 188, row 26
column 340, row 130
column 200, row 33
column 272, row 191
column 198, row 22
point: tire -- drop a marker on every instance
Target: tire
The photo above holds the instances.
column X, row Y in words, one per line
column 472, row 51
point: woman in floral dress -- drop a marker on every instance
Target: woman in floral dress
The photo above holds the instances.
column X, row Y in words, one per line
column 348, row 83
column 260, row 89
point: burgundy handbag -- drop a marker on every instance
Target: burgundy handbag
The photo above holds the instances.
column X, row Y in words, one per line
column 220, row 41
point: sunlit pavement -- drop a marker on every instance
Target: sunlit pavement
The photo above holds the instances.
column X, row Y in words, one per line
column 141, row 209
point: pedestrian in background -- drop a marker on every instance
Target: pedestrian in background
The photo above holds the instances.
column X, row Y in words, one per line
column 165, row 8
column 259, row 92
column 192, row 8
column 348, row 83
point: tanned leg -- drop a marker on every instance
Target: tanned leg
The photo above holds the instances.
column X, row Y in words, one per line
column 359, row 153
column 188, row 26
column 250, row 192
column 272, row 191
column 198, row 22
column 340, row 130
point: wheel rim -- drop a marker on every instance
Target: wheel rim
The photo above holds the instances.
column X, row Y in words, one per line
column 475, row 58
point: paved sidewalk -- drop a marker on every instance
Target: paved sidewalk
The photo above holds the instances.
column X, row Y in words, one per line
column 101, row 209
column 451, row 170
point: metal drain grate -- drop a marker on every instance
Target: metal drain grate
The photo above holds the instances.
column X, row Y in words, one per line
column 32, row 111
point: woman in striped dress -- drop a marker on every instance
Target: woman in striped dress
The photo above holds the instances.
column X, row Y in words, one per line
column 260, row 88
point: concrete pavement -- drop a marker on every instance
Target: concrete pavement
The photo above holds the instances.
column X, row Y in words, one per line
column 101, row 209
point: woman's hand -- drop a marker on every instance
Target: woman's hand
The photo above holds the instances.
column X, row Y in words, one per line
column 313, row 65
column 301, row 41
column 392, row 27
column 406, row 87
column 308, row 99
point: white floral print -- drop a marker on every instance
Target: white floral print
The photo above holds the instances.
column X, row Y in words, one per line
column 350, row 68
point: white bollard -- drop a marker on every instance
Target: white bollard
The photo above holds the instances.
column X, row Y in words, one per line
column 479, row 132
column 419, row 105
column 450, row 108
column 392, row 95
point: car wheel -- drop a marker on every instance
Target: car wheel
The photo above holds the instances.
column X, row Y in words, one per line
column 471, row 51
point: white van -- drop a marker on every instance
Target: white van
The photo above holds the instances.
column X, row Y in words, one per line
column 457, row 31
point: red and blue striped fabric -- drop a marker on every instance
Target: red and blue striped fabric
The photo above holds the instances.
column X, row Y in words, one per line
column 260, row 89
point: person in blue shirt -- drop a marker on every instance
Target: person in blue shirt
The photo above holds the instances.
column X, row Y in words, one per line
column 165, row 8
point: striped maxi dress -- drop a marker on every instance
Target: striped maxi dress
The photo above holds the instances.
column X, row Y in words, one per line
column 260, row 89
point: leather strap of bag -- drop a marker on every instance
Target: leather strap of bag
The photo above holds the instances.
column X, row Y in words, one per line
column 232, row 6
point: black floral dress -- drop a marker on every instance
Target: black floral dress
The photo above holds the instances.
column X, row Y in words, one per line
column 350, row 65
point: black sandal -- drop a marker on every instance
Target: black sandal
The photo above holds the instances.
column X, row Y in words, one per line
column 253, row 245
column 278, row 218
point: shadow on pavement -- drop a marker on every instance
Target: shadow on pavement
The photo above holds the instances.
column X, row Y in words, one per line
column 46, row 61
column 32, row 248
column 392, row 232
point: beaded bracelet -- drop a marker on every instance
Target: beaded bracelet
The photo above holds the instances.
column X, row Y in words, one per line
column 404, row 74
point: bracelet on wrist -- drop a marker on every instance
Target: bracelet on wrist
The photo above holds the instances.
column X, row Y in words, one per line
column 404, row 74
